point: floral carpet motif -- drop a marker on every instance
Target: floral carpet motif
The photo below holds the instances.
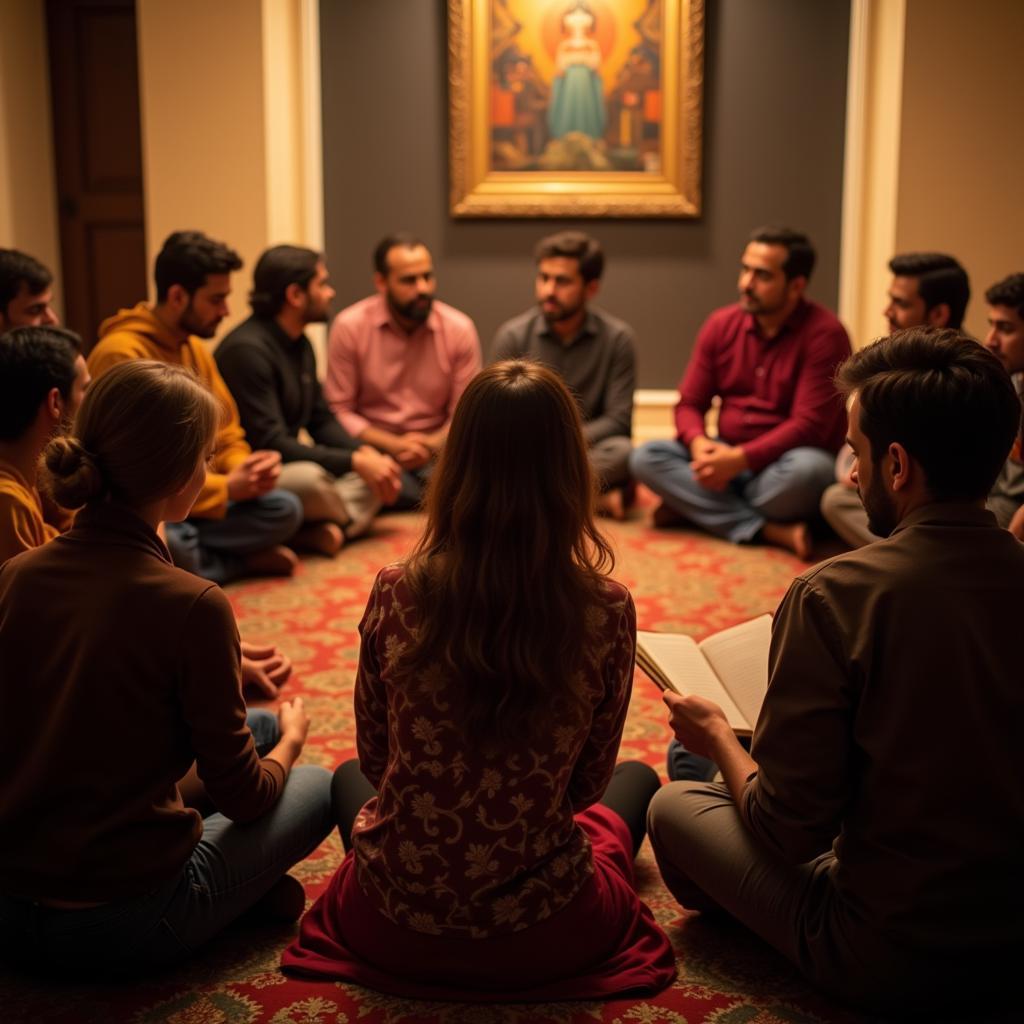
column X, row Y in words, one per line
column 680, row 581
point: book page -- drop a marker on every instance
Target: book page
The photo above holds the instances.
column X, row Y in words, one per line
column 739, row 657
column 684, row 667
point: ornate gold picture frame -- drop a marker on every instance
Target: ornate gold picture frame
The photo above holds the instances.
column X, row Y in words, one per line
column 575, row 108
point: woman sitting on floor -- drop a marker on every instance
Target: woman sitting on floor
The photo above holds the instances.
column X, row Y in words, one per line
column 494, row 678
column 119, row 671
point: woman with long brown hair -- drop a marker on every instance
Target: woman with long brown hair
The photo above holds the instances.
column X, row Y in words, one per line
column 493, row 683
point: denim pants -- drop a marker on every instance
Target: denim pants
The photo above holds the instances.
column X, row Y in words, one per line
column 231, row 867
column 787, row 490
column 215, row 548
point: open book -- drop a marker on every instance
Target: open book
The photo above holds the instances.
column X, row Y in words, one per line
column 730, row 667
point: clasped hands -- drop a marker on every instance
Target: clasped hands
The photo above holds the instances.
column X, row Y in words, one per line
column 714, row 463
column 255, row 475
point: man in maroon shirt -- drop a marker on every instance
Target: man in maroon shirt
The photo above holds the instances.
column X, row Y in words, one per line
column 770, row 359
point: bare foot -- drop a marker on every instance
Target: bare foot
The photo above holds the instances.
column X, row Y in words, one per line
column 321, row 538
column 610, row 504
column 664, row 516
column 275, row 561
column 795, row 537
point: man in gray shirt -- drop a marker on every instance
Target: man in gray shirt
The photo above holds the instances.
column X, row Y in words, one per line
column 593, row 351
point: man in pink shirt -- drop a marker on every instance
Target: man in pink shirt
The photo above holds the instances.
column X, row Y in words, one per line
column 770, row 359
column 398, row 361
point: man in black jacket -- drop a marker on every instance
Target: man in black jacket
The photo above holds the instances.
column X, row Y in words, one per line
column 269, row 365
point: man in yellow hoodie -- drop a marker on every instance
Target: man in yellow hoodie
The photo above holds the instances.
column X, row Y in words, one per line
column 241, row 520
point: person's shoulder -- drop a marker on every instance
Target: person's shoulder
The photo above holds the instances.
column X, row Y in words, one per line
column 725, row 318
column 518, row 328
column 821, row 319
column 251, row 333
column 615, row 326
column 452, row 317
column 615, row 595
column 360, row 312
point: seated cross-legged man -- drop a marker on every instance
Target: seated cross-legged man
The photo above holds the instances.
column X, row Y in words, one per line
column 269, row 365
column 848, row 837
column 928, row 289
column 593, row 352
column 770, row 359
column 241, row 520
column 398, row 361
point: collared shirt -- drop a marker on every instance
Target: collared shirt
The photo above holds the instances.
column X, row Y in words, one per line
column 273, row 380
column 379, row 376
column 885, row 663
column 598, row 365
column 776, row 393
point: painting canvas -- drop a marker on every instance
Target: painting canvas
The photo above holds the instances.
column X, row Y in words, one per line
column 575, row 107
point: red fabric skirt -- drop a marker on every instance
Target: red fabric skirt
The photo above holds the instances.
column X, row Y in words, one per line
column 604, row 944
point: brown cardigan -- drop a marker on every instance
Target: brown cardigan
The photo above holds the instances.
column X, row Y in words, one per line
column 117, row 670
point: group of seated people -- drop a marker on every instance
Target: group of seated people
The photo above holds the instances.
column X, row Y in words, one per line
column 489, row 832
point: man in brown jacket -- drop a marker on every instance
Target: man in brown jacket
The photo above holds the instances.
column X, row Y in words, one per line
column 849, row 837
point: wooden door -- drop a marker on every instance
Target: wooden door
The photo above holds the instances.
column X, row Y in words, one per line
column 94, row 82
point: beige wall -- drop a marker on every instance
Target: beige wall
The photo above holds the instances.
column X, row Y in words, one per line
column 225, row 133
column 28, row 198
column 962, row 149
column 203, row 155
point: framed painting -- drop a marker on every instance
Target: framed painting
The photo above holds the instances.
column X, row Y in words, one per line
column 575, row 108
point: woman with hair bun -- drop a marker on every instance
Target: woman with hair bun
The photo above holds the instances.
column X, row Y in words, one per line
column 119, row 672
column 491, row 855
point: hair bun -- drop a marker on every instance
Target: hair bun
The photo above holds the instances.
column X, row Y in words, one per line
column 74, row 477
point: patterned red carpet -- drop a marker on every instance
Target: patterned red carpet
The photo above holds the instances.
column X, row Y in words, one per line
column 680, row 581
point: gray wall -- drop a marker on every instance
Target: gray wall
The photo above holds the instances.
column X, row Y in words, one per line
column 775, row 87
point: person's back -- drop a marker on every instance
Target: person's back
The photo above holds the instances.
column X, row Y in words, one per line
column 494, row 679
column 927, row 622
column 106, row 691
column 121, row 672
column 510, row 803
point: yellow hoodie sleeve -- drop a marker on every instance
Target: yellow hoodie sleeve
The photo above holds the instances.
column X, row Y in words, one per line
column 232, row 448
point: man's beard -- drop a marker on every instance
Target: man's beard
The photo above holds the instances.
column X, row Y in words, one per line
column 881, row 509
column 417, row 310
column 558, row 312
column 752, row 304
column 318, row 315
column 191, row 325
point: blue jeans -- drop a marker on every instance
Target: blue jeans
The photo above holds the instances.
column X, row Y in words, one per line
column 215, row 548
column 231, row 867
column 788, row 490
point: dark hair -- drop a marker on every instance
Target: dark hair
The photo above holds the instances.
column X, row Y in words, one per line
column 380, row 255
column 510, row 561
column 18, row 268
column 940, row 280
column 800, row 255
column 945, row 398
column 573, row 245
column 33, row 360
column 1008, row 292
column 141, row 430
column 275, row 271
column 188, row 258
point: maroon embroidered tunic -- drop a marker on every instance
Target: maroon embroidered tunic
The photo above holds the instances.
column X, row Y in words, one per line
column 458, row 842
column 476, row 877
